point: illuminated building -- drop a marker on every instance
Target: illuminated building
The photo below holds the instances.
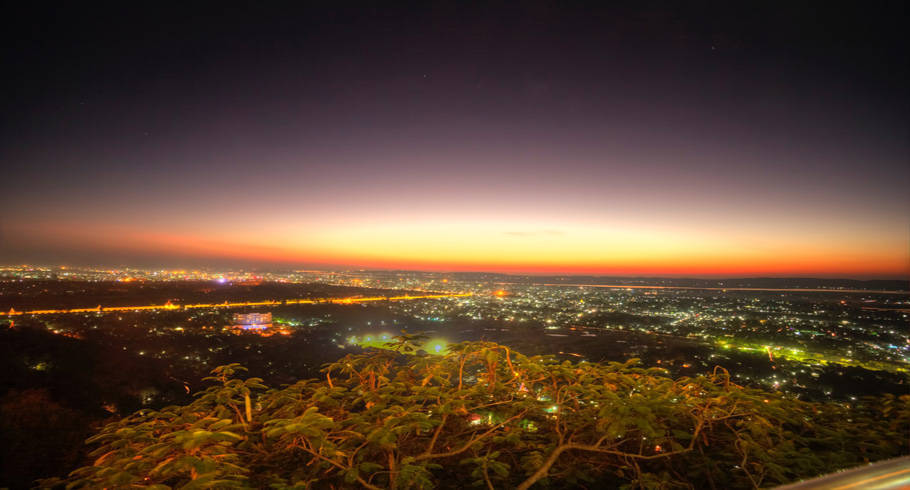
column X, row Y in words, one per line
column 252, row 321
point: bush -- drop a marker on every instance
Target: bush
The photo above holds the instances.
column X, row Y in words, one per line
column 482, row 415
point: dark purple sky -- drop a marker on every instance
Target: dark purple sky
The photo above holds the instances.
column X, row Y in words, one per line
column 710, row 137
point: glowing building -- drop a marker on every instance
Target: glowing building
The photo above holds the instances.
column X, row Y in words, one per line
column 252, row 321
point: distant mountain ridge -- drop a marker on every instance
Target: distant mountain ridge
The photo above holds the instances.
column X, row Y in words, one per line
column 746, row 282
column 752, row 282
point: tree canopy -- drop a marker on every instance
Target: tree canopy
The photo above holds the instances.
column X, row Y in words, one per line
column 483, row 415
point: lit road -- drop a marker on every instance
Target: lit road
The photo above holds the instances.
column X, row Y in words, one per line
column 239, row 304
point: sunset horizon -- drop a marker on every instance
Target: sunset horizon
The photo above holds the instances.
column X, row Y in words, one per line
column 493, row 147
column 548, row 251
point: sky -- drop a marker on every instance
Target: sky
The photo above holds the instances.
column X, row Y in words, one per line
column 666, row 139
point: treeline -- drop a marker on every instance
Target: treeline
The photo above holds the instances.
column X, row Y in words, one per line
column 483, row 415
column 55, row 391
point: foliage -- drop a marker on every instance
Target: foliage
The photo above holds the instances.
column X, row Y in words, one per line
column 485, row 416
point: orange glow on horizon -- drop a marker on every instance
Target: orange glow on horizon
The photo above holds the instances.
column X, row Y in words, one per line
column 480, row 248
